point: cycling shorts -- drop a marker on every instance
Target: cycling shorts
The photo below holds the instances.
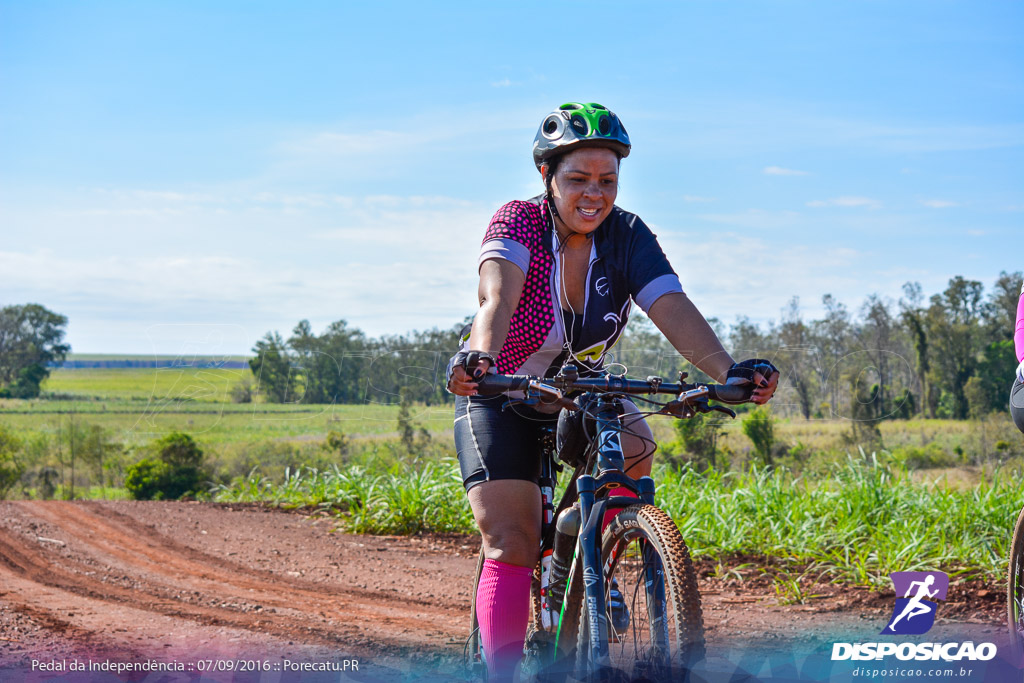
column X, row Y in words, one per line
column 1017, row 404
column 495, row 444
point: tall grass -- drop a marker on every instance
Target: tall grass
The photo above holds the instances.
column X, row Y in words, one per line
column 862, row 521
column 858, row 524
column 404, row 498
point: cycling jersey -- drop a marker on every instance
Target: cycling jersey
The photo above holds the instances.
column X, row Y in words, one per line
column 1018, row 333
column 626, row 262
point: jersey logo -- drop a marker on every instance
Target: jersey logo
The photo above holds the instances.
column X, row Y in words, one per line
column 602, row 286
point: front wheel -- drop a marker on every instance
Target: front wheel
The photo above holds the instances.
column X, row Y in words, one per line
column 1015, row 591
column 656, row 625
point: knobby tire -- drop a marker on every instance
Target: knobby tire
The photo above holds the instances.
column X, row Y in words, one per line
column 640, row 652
column 1015, row 591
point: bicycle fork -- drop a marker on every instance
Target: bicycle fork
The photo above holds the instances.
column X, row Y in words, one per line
column 593, row 582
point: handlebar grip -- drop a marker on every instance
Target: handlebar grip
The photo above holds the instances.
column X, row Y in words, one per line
column 731, row 393
column 491, row 385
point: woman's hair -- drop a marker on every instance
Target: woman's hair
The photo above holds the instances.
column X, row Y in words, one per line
column 550, row 167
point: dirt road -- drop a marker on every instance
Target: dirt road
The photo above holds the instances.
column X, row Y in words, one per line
column 185, row 582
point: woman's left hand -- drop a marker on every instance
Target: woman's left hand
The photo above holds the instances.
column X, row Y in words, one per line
column 762, row 373
column 766, row 387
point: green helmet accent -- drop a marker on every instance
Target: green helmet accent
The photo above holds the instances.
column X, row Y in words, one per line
column 577, row 124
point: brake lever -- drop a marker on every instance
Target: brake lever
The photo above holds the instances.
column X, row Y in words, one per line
column 676, row 408
column 722, row 409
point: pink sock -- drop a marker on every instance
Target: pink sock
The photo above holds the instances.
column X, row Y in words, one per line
column 503, row 610
column 608, row 514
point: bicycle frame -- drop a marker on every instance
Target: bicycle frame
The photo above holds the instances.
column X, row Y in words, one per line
column 608, row 473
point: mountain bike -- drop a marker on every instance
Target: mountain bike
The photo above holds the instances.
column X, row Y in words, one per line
column 1015, row 591
column 620, row 603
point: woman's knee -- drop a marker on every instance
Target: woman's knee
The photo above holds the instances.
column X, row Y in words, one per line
column 637, row 439
column 508, row 514
column 512, row 544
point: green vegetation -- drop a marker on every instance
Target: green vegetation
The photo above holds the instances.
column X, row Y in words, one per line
column 11, row 467
column 404, row 498
column 860, row 522
column 30, row 339
column 760, row 429
column 362, row 427
column 857, row 524
column 176, row 471
column 193, row 385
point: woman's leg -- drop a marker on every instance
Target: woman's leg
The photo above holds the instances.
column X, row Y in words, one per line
column 508, row 512
column 638, row 444
column 638, row 448
column 1017, row 404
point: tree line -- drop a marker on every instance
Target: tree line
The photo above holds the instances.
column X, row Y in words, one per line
column 343, row 365
column 949, row 355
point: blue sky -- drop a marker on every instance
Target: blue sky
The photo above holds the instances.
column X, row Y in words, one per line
column 183, row 177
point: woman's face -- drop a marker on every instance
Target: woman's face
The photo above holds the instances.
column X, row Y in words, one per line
column 584, row 188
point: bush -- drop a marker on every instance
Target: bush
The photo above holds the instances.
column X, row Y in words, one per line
column 11, row 467
column 698, row 438
column 176, row 472
column 760, row 429
column 147, row 479
column 919, row 458
column 242, row 392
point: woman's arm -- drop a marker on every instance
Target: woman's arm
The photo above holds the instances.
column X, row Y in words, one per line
column 501, row 285
column 1018, row 333
column 692, row 336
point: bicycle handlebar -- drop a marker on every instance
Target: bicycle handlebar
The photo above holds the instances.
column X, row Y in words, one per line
column 555, row 388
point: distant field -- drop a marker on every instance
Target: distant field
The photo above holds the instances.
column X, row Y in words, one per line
column 139, row 404
column 155, row 356
column 195, row 384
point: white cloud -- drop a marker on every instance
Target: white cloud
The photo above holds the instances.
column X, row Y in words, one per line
column 938, row 203
column 729, row 274
column 385, row 263
column 778, row 170
column 847, row 202
column 504, row 83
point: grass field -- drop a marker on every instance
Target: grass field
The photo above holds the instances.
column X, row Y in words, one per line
column 209, row 385
column 139, row 404
column 930, row 493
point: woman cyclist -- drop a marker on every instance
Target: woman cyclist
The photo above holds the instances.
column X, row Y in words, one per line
column 558, row 275
column 1017, row 392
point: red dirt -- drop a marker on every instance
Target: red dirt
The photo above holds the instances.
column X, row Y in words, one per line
column 180, row 581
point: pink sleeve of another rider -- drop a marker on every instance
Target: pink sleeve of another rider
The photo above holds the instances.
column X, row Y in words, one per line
column 1018, row 333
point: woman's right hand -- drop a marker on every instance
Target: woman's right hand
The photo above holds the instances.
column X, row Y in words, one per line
column 462, row 382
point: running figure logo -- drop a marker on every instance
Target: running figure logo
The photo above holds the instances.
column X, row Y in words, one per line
column 914, row 613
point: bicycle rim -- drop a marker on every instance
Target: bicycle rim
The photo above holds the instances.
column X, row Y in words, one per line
column 1015, row 591
column 644, row 553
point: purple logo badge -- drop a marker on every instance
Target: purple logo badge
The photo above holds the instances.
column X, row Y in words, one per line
column 914, row 612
